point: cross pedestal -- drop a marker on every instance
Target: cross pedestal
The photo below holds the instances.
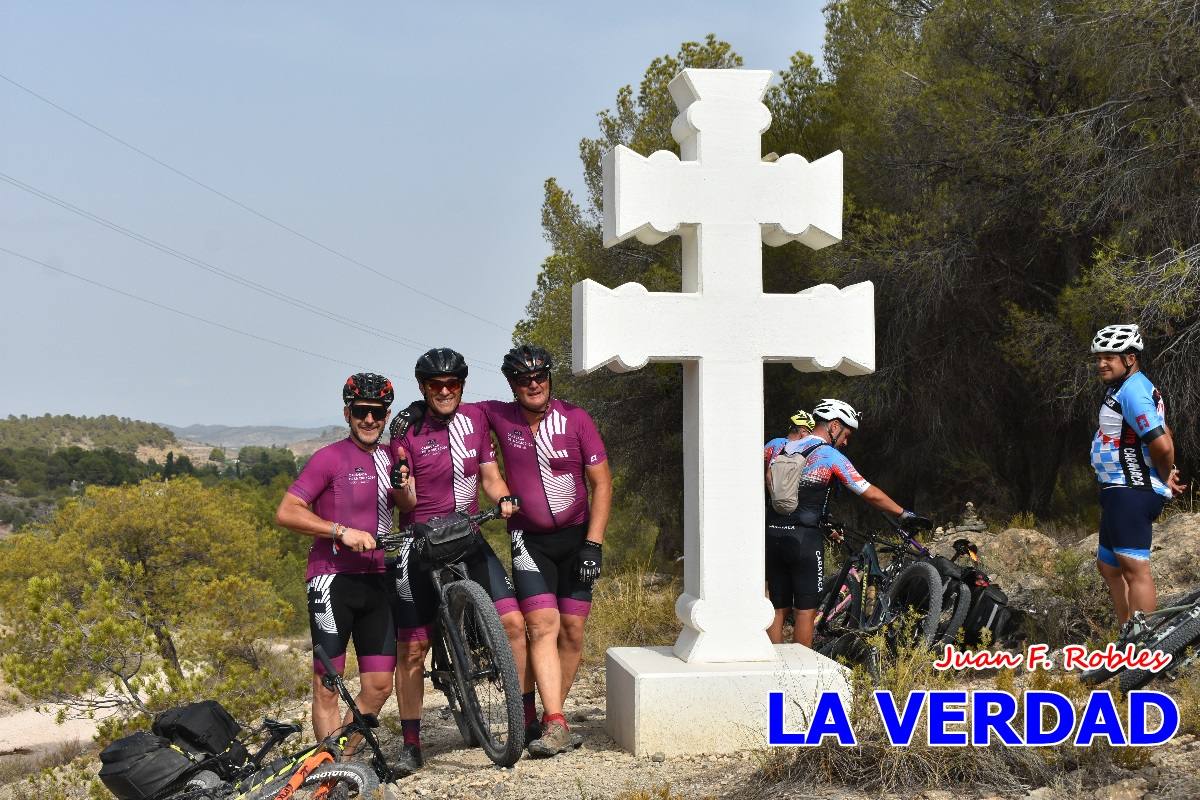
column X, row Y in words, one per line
column 724, row 202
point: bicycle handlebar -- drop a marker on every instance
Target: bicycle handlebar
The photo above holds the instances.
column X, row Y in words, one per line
column 391, row 541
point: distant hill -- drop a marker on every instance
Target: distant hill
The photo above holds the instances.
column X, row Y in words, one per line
column 52, row 431
column 235, row 436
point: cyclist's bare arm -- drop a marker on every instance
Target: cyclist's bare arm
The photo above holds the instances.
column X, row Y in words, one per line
column 879, row 499
column 495, row 487
column 600, row 484
column 295, row 515
column 1162, row 453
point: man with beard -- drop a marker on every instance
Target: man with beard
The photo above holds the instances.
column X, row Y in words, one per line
column 450, row 454
column 342, row 499
column 553, row 456
column 1133, row 455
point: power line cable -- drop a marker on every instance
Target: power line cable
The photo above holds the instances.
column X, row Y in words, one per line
column 226, row 274
column 174, row 310
column 182, row 313
column 248, row 208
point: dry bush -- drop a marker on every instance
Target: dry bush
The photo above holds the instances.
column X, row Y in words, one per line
column 875, row 765
column 631, row 609
column 18, row 766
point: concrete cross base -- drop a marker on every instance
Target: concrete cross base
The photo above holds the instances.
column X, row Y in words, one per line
column 659, row 704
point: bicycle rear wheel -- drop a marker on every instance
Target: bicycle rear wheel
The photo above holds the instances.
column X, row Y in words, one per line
column 450, row 687
column 917, row 588
column 487, row 672
column 956, row 602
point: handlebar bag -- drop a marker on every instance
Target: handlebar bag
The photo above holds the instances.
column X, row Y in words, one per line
column 142, row 766
column 445, row 540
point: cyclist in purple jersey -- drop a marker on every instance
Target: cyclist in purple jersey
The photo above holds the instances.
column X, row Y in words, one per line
column 1131, row 450
column 450, row 456
column 342, row 499
column 553, row 456
column 795, row 546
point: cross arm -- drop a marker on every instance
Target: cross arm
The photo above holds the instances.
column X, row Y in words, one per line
column 821, row 328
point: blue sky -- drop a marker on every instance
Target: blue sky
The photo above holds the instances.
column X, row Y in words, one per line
column 411, row 138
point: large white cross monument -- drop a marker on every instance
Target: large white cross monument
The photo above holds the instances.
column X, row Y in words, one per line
column 723, row 201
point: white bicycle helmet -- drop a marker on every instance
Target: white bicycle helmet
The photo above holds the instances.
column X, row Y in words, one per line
column 1117, row 339
column 830, row 409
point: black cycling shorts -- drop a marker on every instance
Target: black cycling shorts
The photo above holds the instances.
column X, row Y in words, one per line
column 415, row 600
column 546, row 571
column 795, row 566
column 344, row 606
column 1127, row 523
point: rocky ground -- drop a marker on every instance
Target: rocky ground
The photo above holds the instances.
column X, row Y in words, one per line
column 1023, row 561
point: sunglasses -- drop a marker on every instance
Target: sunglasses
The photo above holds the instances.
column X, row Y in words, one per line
column 378, row 413
column 535, row 377
column 436, row 386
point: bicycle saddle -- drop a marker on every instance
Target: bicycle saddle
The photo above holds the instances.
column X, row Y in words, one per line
column 275, row 727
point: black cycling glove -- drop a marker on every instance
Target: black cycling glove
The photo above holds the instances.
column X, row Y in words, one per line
column 396, row 476
column 589, row 561
column 412, row 417
column 909, row 519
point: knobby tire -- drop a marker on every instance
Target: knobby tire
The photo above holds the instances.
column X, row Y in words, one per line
column 481, row 646
column 956, row 602
column 917, row 586
column 1175, row 642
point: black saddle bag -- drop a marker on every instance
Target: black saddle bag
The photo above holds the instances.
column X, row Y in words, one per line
column 445, row 540
column 142, row 766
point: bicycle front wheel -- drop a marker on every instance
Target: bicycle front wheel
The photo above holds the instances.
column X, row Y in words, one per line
column 1180, row 633
column 916, row 590
column 486, row 670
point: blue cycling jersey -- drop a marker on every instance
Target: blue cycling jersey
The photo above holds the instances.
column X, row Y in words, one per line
column 1131, row 416
column 774, row 446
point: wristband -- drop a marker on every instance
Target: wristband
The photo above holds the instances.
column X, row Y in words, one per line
column 333, row 532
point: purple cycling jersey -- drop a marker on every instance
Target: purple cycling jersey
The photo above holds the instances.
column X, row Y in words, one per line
column 546, row 470
column 444, row 458
column 345, row 484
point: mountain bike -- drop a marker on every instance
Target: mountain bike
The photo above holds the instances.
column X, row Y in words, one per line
column 318, row 771
column 1173, row 629
column 868, row 596
column 472, row 662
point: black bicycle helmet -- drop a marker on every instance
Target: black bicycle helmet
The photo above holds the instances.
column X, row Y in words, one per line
column 441, row 361
column 525, row 359
column 367, row 386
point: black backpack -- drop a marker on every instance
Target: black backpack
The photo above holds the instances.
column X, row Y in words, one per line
column 142, row 766
column 989, row 612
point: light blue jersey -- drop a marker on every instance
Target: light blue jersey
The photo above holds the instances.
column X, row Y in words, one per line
column 1132, row 416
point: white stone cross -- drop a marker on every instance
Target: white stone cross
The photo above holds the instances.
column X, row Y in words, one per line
column 724, row 201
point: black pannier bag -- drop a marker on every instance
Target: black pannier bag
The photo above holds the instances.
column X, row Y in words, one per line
column 445, row 540
column 205, row 729
column 142, row 766
column 989, row 612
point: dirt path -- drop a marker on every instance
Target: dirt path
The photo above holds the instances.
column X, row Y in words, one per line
column 31, row 730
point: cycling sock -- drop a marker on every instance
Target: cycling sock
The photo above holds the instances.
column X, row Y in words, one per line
column 548, row 718
column 411, row 728
column 530, row 708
